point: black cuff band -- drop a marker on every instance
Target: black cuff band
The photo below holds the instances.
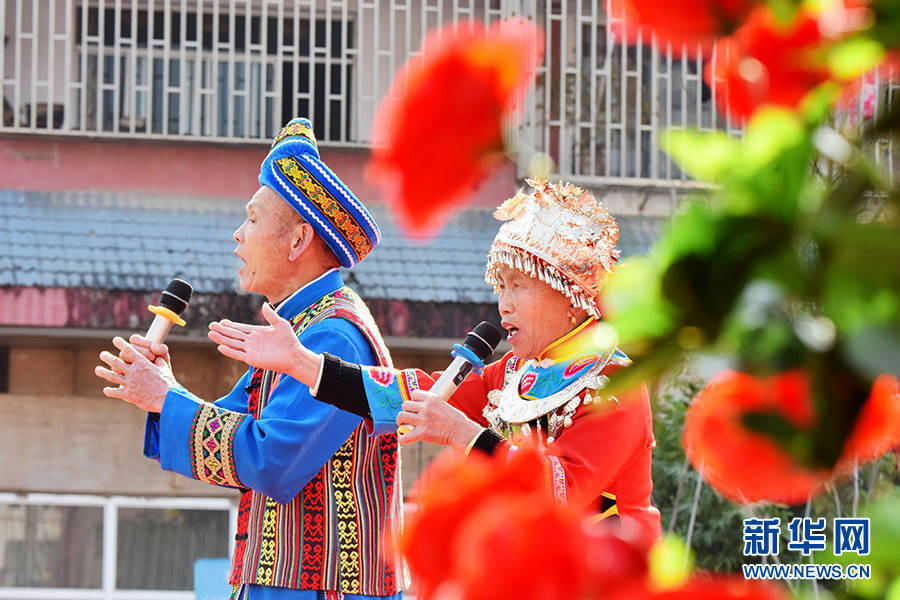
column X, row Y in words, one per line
column 488, row 441
column 341, row 385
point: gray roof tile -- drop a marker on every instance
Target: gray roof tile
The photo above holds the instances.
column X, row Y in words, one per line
column 125, row 241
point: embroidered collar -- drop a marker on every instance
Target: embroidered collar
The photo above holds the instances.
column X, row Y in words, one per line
column 325, row 283
column 563, row 369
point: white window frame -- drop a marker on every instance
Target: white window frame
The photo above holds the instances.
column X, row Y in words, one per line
column 111, row 506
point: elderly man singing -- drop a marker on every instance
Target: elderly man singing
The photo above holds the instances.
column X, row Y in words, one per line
column 318, row 493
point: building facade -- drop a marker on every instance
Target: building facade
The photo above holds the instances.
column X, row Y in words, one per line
column 131, row 137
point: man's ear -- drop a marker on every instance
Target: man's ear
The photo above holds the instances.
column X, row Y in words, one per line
column 300, row 241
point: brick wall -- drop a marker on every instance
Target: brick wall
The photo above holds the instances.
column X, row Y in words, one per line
column 60, row 434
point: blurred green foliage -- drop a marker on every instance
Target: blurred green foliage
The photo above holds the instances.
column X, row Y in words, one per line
column 778, row 268
column 791, row 259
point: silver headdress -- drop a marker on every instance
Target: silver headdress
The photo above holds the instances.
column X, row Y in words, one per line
column 559, row 234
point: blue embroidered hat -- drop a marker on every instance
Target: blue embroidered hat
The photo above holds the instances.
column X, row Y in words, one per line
column 294, row 170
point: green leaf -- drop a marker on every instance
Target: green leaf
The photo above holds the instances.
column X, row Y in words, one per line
column 770, row 132
column 704, row 155
column 632, row 296
column 852, row 58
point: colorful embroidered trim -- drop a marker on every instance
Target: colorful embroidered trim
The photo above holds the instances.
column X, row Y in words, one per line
column 559, row 480
column 326, row 203
column 211, row 445
column 410, row 383
column 266, row 562
column 512, row 365
column 329, row 537
column 300, row 128
column 345, row 512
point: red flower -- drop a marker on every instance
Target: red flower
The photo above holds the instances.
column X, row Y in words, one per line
column 877, row 428
column 440, row 127
column 453, row 489
column 767, row 63
column 497, row 546
column 481, row 524
column 382, row 375
column 743, row 465
column 747, row 466
column 489, row 529
column 527, row 382
column 579, row 364
column 691, row 23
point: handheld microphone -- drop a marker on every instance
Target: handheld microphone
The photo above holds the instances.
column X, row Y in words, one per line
column 468, row 356
column 172, row 302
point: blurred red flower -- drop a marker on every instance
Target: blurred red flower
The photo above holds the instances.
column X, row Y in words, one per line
column 692, row 23
column 497, row 548
column 454, row 489
column 877, row 428
column 748, row 466
column 440, row 127
column 743, row 465
column 769, row 63
column 489, row 529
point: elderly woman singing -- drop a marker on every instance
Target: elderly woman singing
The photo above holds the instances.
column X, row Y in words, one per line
column 547, row 265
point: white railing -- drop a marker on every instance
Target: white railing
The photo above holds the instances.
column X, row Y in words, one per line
column 235, row 70
column 11, row 529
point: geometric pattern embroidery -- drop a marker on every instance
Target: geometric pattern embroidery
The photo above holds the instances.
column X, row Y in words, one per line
column 324, row 201
column 559, row 480
column 345, row 513
column 211, row 445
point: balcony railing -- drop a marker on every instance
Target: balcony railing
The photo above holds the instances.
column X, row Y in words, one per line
column 235, row 70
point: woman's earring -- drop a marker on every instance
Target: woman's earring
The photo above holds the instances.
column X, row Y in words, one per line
column 574, row 321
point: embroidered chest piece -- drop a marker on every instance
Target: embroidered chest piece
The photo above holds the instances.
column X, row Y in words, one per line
column 508, row 411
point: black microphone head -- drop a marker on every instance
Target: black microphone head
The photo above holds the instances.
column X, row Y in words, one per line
column 176, row 295
column 483, row 340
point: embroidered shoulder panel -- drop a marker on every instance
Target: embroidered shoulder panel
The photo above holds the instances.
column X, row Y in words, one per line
column 212, row 445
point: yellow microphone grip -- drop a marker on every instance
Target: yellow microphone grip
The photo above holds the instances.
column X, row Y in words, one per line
column 167, row 313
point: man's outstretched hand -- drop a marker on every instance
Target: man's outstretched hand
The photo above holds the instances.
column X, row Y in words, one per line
column 136, row 379
column 273, row 347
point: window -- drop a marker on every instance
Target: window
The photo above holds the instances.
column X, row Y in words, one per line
column 156, row 548
column 52, row 545
column 216, row 73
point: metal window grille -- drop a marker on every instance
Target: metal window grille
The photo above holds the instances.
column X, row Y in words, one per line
column 110, row 518
column 236, row 70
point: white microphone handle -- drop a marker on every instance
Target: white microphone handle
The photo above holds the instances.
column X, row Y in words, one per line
column 449, row 380
column 159, row 329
